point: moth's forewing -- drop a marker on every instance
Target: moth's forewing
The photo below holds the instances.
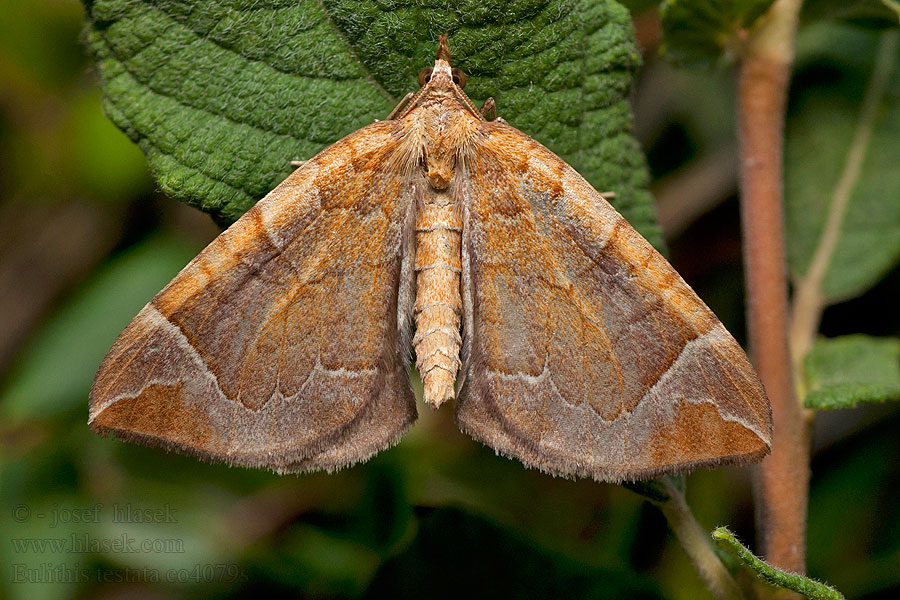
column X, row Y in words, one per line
column 279, row 345
column 587, row 354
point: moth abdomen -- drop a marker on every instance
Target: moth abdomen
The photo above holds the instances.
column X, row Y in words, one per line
column 438, row 303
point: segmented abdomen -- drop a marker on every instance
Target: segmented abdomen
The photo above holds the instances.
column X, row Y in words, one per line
column 438, row 302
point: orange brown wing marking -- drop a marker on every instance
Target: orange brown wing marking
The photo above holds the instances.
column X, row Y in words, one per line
column 587, row 354
column 278, row 345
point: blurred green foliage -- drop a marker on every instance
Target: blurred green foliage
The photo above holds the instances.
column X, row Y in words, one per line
column 830, row 120
column 870, row 14
column 53, row 129
column 701, row 32
column 73, row 342
column 438, row 515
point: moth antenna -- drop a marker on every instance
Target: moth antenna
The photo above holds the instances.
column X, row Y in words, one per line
column 403, row 104
column 443, row 52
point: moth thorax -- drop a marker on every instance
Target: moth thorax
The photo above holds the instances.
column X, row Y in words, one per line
column 439, row 164
column 439, row 177
column 438, row 303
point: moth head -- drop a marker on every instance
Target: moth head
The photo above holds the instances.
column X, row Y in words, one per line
column 442, row 74
column 457, row 76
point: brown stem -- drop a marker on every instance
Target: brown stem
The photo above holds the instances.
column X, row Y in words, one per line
column 697, row 544
column 782, row 480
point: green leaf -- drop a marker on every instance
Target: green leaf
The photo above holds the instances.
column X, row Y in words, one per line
column 845, row 371
column 701, row 31
column 783, row 579
column 842, row 184
column 222, row 95
column 72, row 344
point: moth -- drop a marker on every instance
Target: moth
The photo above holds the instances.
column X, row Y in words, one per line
column 566, row 340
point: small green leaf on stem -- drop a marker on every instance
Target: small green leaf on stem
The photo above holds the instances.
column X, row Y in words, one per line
column 700, row 31
column 791, row 581
column 845, row 371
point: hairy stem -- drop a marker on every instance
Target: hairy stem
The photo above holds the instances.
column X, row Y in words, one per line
column 809, row 299
column 781, row 482
column 697, row 543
